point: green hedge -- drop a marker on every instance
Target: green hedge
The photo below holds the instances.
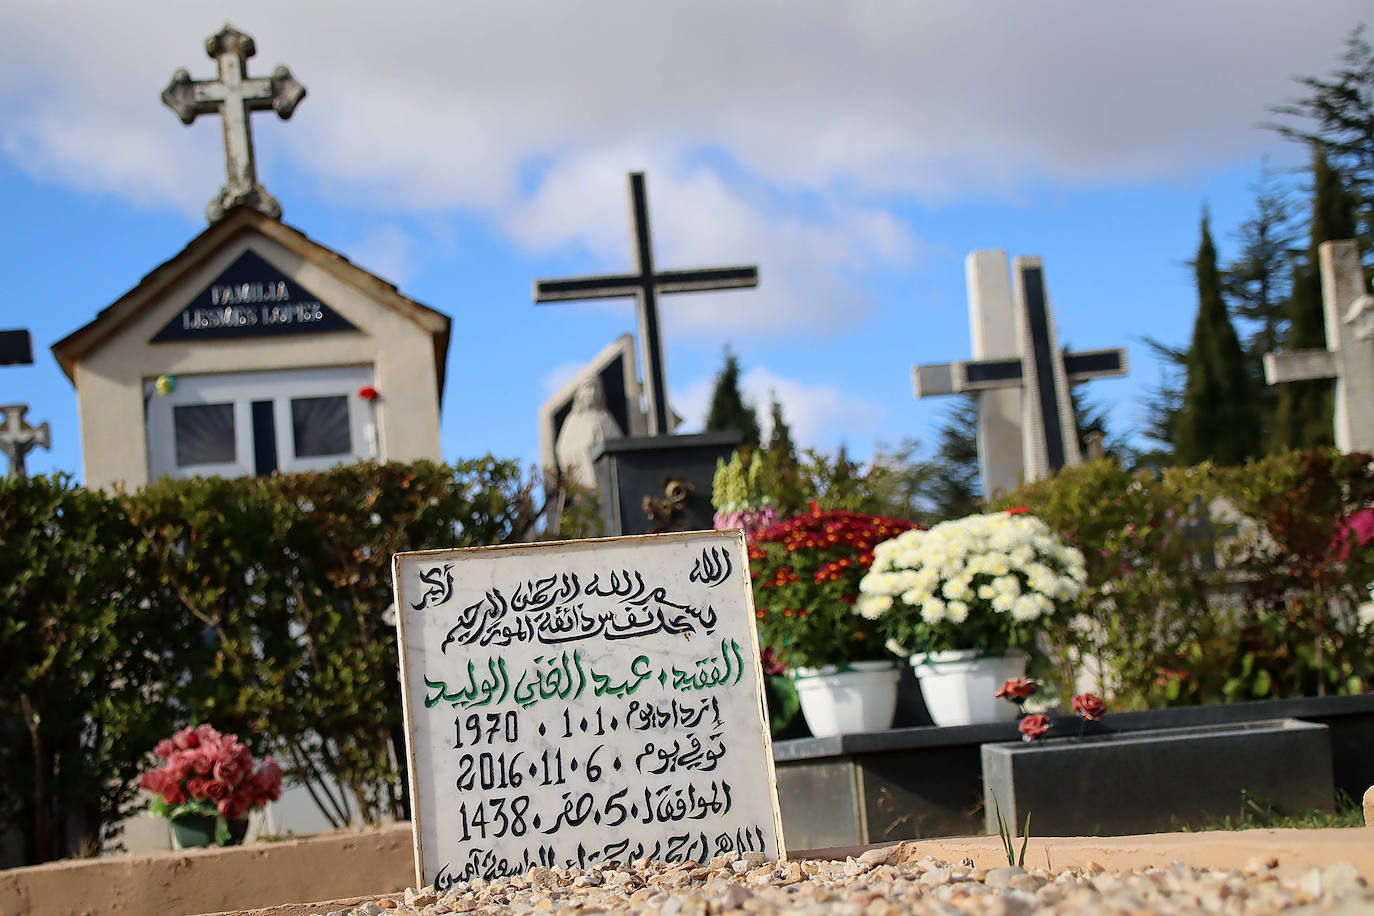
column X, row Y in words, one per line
column 1215, row 584
column 258, row 605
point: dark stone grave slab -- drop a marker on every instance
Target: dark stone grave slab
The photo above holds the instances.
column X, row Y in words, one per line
column 1158, row 780
column 907, row 783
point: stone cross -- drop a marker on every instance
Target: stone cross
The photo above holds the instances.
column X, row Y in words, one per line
column 645, row 284
column 1349, row 354
column 233, row 95
column 18, row 438
column 1025, row 433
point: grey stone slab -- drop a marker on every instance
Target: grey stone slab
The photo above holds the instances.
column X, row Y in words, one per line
column 819, row 805
column 1156, row 780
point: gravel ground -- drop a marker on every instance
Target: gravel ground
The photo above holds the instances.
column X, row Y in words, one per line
column 887, row 882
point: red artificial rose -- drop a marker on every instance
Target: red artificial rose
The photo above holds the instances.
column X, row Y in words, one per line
column 234, row 807
column 270, row 775
column 179, row 767
column 1016, row 689
column 229, row 770
column 185, row 739
column 196, row 786
column 172, row 794
column 152, row 781
column 217, row 791
column 1090, row 707
column 1033, row 727
column 203, row 760
column 165, row 748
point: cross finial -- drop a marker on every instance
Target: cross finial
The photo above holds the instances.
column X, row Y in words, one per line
column 233, row 95
column 18, row 438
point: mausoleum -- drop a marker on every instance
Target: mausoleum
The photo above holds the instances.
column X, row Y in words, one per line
column 255, row 349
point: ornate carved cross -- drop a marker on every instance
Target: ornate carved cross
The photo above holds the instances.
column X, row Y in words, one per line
column 18, row 438
column 233, row 95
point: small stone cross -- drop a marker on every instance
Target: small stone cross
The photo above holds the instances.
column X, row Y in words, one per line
column 1349, row 353
column 645, row 284
column 233, row 95
column 18, row 438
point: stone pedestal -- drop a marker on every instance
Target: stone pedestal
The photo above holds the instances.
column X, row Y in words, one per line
column 652, row 484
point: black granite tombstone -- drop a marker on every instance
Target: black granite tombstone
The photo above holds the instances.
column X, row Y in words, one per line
column 652, row 484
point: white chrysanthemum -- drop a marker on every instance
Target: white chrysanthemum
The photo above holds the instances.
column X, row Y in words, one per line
column 957, row 589
column 873, row 606
column 1030, row 606
column 958, row 611
column 933, row 610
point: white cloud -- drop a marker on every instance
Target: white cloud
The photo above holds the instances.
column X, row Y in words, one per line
column 385, row 251
column 438, row 104
column 559, row 376
column 815, row 413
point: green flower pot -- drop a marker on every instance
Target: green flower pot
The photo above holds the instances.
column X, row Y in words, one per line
column 196, row 830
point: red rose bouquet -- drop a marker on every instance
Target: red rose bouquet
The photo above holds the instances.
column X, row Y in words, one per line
column 211, row 775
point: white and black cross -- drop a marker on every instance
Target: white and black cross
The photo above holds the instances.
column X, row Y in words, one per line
column 1035, row 365
column 645, row 284
column 233, row 96
column 1349, row 355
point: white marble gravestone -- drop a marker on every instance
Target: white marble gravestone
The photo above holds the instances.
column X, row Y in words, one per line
column 583, row 701
column 1349, row 353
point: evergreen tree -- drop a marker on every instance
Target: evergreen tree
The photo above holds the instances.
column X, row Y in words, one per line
column 728, row 410
column 1303, row 416
column 1257, row 282
column 1164, row 404
column 1219, row 420
column 1339, row 114
column 956, row 489
column 780, row 436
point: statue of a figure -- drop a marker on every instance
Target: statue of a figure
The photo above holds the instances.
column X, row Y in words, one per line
column 587, row 427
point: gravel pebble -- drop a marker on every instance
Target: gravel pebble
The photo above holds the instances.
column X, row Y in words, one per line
column 892, row 881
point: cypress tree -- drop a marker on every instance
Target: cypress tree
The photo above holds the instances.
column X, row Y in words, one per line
column 728, row 410
column 780, row 437
column 1219, row 419
column 1303, row 417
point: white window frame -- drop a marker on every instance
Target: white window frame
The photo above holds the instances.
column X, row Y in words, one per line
column 242, row 389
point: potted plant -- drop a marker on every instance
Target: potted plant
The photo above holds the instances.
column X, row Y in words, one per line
column 208, row 785
column 806, row 573
column 967, row 599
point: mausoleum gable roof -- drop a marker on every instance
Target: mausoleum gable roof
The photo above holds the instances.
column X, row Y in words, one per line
column 149, row 290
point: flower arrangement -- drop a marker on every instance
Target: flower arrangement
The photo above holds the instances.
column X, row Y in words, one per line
column 211, row 775
column 981, row 582
column 737, row 492
column 806, row 573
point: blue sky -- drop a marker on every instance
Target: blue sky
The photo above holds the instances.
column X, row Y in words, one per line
column 855, row 152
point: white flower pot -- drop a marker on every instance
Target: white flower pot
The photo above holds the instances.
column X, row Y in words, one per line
column 860, row 698
column 960, row 687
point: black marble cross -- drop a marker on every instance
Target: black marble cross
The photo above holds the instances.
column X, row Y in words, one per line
column 645, row 284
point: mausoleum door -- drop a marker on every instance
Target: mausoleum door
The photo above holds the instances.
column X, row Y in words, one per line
column 237, row 424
